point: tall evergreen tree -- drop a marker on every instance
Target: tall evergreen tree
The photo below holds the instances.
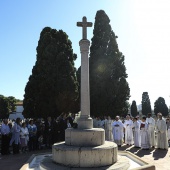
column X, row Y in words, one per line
column 134, row 111
column 146, row 105
column 109, row 89
column 160, row 106
column 52, row 88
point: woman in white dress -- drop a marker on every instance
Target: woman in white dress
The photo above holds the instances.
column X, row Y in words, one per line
column 24, row 135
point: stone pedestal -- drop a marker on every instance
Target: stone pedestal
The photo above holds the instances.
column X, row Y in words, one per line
column 85, row 137
column 78, row 156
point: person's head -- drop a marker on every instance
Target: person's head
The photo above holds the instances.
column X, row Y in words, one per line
column 31, row 122
column 143, row 119
column 117, row 118
column 160, row 116
column 127, row 117
column 49, row 119
column 18, row 120
column 5, row 121
column 167, row 120
column 135, row 119
column 149, row 115
column 23, row 124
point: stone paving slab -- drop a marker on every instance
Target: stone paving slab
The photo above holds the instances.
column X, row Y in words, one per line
column 160, row 158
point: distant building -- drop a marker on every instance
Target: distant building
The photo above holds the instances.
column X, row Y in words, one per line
column 18, row 113
column 19, row 107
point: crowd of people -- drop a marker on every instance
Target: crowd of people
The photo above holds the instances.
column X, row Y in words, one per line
column 34, row 134
column 143, row 132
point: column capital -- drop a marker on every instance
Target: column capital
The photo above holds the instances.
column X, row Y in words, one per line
column 84, row 45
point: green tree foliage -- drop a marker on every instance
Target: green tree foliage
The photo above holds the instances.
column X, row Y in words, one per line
column 160, row 106
column 109, row 90
column 146, row 105
column 7, row 105
column 134, row 111
column 52, row 88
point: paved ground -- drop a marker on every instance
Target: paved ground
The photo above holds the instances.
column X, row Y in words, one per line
column 160, row 158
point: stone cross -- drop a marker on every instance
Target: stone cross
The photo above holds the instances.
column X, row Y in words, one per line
column 84, row 24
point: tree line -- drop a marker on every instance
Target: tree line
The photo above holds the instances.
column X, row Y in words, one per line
column 7, row 105
column 159, row 106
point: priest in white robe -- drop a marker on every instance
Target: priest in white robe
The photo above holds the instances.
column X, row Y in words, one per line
column 117, row 127
column 151, row 130
column 109, row 135
column 128, row 125
column 144, row 134
column 137, row 135
column 162, row 139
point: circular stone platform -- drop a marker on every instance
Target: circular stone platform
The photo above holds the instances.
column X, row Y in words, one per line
column 76, row 156
column 122, row 164
column 84, row 137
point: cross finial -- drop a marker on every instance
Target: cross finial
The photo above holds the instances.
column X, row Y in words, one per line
column 84, row 24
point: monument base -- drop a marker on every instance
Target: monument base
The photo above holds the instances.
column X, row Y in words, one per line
column 76, row 156
column 122, row 164
column 85, row 137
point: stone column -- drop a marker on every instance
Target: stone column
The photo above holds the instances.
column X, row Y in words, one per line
column 85, row 121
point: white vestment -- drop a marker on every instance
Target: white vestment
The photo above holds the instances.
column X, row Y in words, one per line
column 128, row 125
column 117, row 127
column 144, row 136
column 151, row 131
column 137, row 135
column 109, row 136
column 162, row 139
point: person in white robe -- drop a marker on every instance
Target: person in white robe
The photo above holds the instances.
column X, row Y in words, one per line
column 24, row 137
column 128, row 125
column 137, row 135
column 151, row 130
column 168, row 128
column 108, row 129
column 117, row 127
column 162, row 139
column 144, row 134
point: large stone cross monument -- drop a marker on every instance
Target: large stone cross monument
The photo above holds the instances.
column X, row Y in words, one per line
column 85, row 147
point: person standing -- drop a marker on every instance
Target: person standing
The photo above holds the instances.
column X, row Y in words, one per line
column 117, row 127
column 137, row 135
column 48, row 132
column 162, row 139
column 5, row 131
column 32, row 129
column 15, row 140
column 151, row 130
column 144, row 134
column 109, row 133
column 24, row 137
column 128, row 125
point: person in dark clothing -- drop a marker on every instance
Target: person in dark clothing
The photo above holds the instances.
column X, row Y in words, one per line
column 5, row 130
column 48, row 132
column 62, row 126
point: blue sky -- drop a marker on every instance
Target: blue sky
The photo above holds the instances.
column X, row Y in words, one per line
column 142, row 27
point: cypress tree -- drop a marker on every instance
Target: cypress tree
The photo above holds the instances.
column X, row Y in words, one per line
column 160, row 106
column 52, row 88
column 134, row 111
column 109, row 90
column 146, row 105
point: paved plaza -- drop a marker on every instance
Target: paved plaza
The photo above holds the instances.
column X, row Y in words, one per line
column 160, row 158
